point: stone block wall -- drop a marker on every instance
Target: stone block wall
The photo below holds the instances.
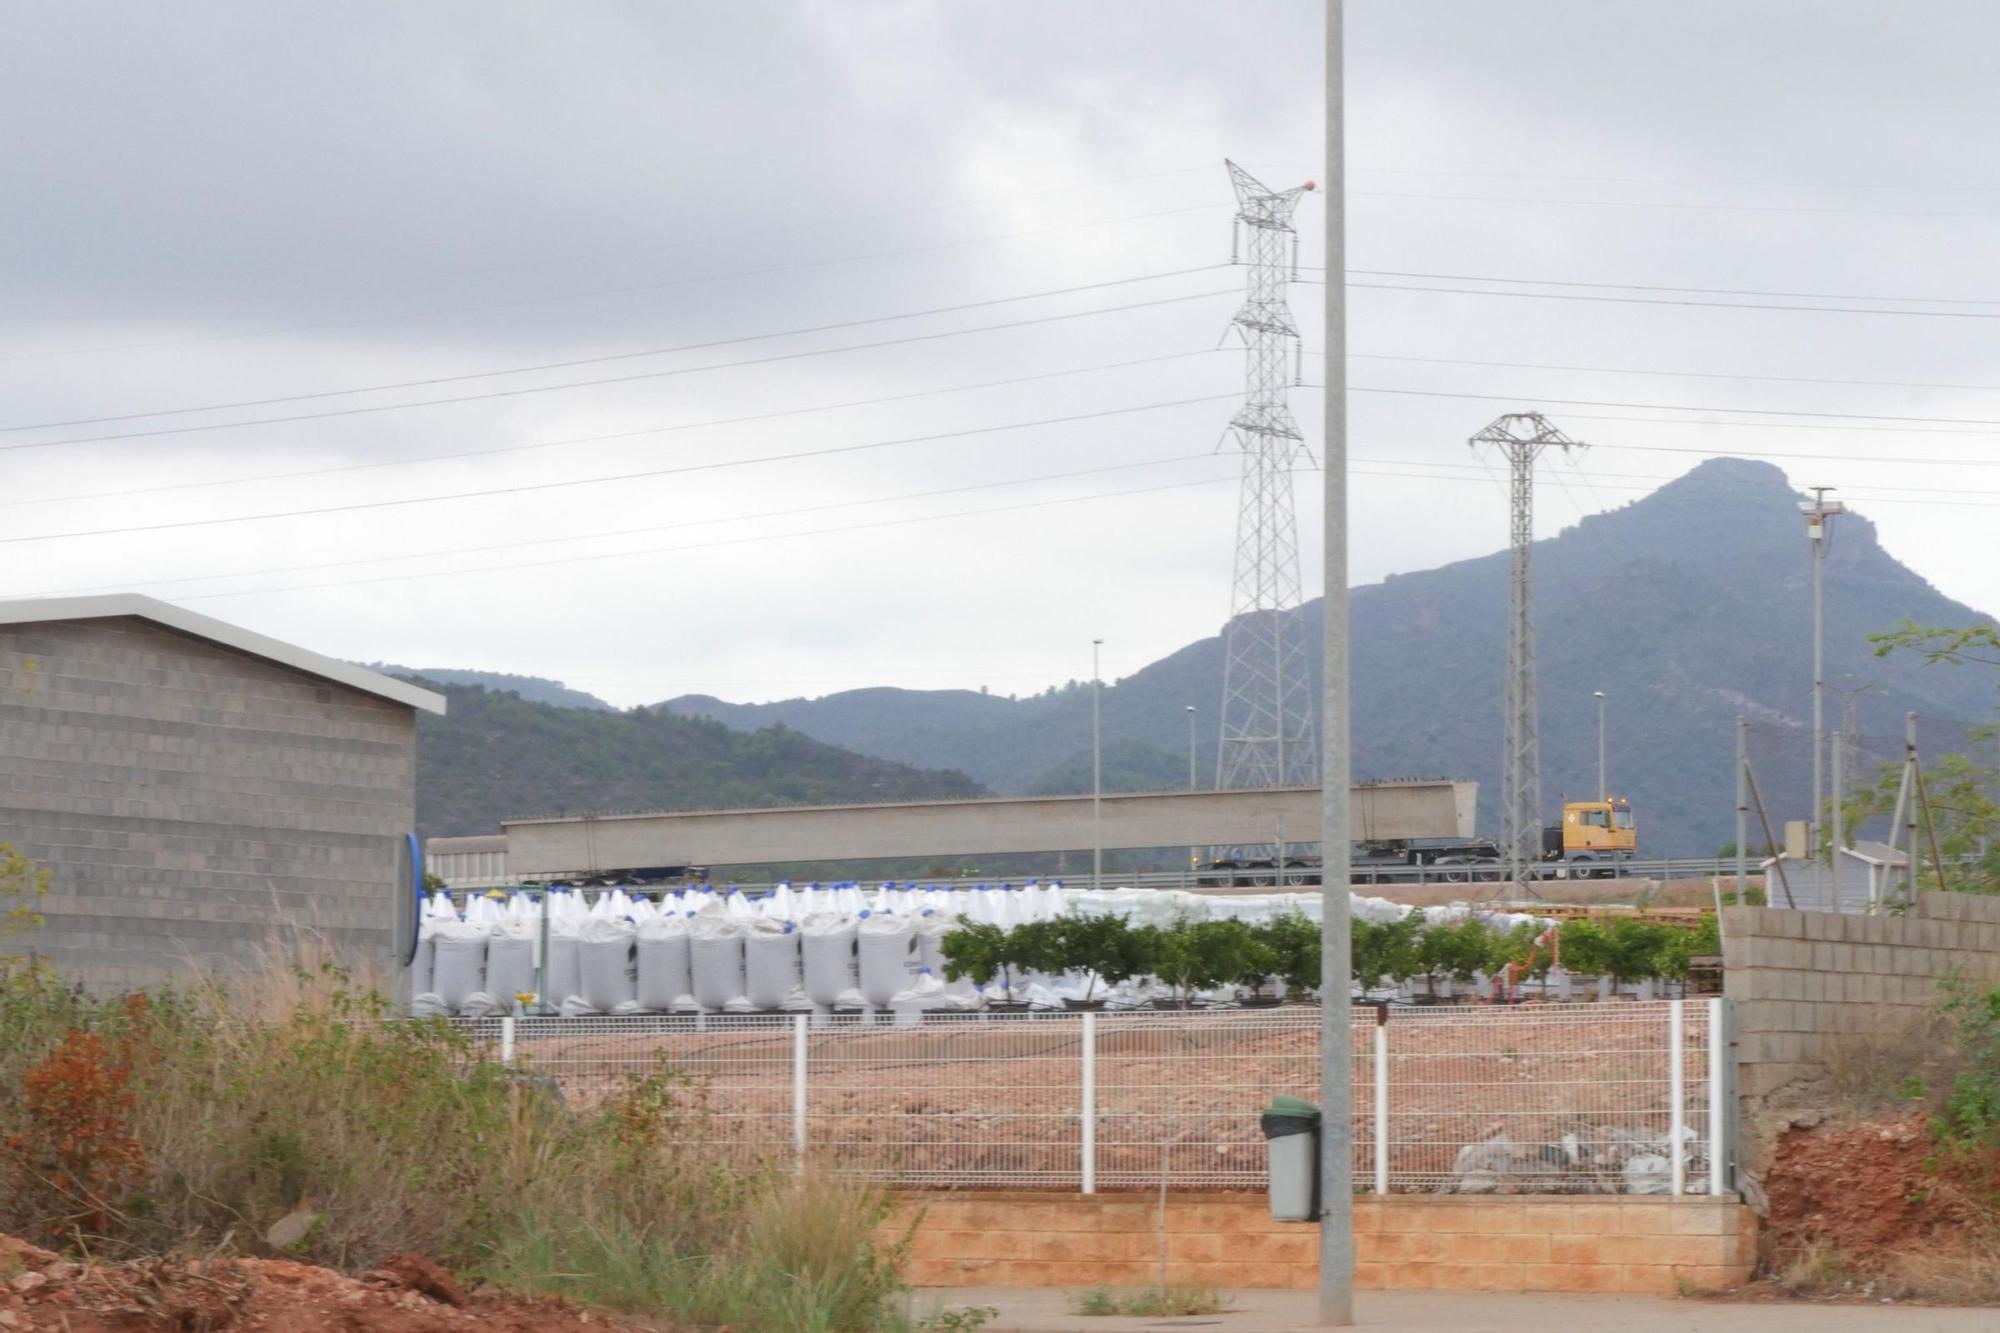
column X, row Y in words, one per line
column 189, row 797
column 1806, row 984
column 1414, row 1242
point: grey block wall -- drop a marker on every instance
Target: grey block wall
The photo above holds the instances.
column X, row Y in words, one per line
column 189, row 798
column 1803, row 984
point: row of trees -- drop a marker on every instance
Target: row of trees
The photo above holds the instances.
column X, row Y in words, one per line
column 1191, row 956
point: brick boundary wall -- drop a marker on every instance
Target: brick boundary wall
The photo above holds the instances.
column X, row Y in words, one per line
column 1648, row 1244
column 1806, row 984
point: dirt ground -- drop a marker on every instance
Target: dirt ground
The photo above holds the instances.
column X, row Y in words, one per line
column 407, row 1294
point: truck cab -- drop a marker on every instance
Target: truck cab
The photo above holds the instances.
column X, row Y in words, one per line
column 1593, row 831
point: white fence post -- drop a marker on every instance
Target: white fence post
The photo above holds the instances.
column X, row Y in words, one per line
column 507, row 1040
column 1089, row 1107
column 1718, row 1118
column 1381, row 1099
column 799, row 1088
column 1677, row 1091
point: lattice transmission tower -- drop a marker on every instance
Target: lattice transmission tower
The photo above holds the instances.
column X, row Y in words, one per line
column 1520, row 438
column 1269, row 732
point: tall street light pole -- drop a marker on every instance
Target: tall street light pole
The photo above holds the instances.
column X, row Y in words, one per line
column 1190, row 715
column 1096, row 771
column 1336, row 1041
column 1817, row 511
column 1603, row 787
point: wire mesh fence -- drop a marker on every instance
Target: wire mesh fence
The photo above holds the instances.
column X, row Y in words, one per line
column 1550, row 1098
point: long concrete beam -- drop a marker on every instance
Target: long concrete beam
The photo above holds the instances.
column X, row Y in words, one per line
column 576, row 844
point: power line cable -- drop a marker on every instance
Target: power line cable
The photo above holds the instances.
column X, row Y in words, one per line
column 625, row 379
column 1684, row 206
column 609, row 358
column 1678, row 374
column 565, row 483
column 601, row 438
column 1666, row 301
column 729, row 541
column 607, row 534
column 1656, row 287
column 590, row 292
column 1697, row 407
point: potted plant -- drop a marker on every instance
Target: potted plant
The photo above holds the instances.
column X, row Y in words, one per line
column 1105, row 949
column 1257, row 963
column 974, row 951
column 1385, row 950
column 1295, row 939
column 1033, row 946
column 1199, row 955
column 1583, row 949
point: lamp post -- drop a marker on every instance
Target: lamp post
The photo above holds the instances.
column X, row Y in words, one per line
column 1190, row 715
column 1817, row 511
column 1096, row 772
column 1603, row 787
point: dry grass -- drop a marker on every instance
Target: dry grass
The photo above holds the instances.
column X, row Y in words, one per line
column 1174, row 1301
column 1959, row 1270
column 283, row 1092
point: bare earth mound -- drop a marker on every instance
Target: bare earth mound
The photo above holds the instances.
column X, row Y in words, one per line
column 407, row 1294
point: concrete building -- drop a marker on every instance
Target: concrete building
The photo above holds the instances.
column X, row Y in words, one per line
column 1871, row 875
column 192, row 786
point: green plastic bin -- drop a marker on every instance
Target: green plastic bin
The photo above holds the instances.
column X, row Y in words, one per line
column 1291, row 1131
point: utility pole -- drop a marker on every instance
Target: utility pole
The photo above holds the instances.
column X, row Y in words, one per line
column 1521, row 437
column 1817, row 511
column 1336, row 1035
column 1603, row 786
column 1743, row 812
column 1096, row 771
column 1266, row 722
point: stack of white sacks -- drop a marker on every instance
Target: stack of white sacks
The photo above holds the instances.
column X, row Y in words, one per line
column 815, row 948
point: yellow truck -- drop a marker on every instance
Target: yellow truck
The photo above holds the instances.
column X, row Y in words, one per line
column 1593, row 838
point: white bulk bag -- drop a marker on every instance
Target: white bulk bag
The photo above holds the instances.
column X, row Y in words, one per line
column 715, row 958
column 665, row 981
column 604, row 955
column 565, row 963
column 885, row 946
column 459, row 969
column 510, row 960
column 771, row 964
column 423, row 960
column 932, row 927
column 827, row 941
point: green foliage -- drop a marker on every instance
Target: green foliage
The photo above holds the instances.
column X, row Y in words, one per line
column 1385, row 951
column 22, row 885
column 1585, row 949
column 1456, row 950
column 974, row 949
column 1035, row 946
column 1105, row 946
column 1967, row 820
column 1294, row 942
column 968, row 1319
column 1681, row 946
column 1970, row 1119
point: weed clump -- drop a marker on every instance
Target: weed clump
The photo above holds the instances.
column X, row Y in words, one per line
column 301, row 1116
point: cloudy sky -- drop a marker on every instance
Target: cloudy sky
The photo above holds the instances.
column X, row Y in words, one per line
column 775, row 348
